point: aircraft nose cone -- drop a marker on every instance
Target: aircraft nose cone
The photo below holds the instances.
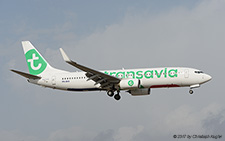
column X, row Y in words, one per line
column 208, row 77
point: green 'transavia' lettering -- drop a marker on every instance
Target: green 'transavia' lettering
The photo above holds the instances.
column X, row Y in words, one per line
column 172, row 73
column 158, row 74
column 148, row 74
column 122, row 74
column 139, row 74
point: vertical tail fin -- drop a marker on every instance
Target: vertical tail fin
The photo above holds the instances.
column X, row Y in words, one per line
column 35, row 62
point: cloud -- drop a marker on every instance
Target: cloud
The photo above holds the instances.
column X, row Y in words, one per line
column 179, row 31
column 215, row 123
column 71, row 134
column 15, row 136
column 107, row 135
column 75, row 133
column 182, row 120
column 164, row 39
column 188, row 120
column 127, row 133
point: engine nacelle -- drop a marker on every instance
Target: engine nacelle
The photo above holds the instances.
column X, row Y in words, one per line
column 137, row 92
column 129, row 83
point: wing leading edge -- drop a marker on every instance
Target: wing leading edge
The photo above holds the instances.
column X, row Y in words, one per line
column 106, row 81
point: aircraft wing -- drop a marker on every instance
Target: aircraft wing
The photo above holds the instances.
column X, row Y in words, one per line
column 105, row 80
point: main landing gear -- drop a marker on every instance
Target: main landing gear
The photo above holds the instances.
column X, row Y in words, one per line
column 110, row 93
column 116, row 96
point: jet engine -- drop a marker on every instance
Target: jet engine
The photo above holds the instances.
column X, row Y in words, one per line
column 137, row 92
column 129, row 83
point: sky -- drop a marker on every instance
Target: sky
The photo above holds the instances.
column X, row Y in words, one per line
column 112, row 35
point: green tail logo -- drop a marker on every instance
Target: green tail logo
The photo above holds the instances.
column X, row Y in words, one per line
column 36, row 64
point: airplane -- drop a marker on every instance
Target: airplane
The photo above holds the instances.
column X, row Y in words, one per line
column 137, row 82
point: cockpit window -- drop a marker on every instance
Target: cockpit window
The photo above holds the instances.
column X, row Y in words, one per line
column 198, row 72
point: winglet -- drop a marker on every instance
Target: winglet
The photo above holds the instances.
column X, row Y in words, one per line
column 65, row 57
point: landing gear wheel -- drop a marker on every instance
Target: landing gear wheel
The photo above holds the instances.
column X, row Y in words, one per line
column 191, row 91
column 110, row 93
column 117, row 97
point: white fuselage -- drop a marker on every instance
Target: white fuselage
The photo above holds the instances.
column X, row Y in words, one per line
column 149, row 78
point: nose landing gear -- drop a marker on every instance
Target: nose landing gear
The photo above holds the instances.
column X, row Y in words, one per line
column 192, row 87
column 191, row 91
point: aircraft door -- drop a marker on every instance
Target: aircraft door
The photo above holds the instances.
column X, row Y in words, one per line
column 186, row 73
column 53, row 80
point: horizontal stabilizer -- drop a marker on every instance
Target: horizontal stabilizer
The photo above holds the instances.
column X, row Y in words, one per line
column 27, row 75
